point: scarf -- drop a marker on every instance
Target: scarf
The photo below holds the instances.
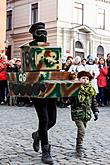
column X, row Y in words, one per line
column 86, row 92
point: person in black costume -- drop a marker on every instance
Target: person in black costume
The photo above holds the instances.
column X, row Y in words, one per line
column 46, row 111
column 45, row 107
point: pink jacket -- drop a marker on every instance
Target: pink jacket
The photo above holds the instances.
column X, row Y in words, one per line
column 102, row 78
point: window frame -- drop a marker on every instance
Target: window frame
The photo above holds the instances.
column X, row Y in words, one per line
column 101, row 14
column 79, row 12
column 9, row 20
column 79, row 49
column 34, row 13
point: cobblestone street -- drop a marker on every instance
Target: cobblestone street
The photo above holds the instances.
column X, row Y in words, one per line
column 18, row 123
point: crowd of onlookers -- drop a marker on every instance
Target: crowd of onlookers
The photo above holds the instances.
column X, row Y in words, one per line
column 98, row 67
column 13, row 65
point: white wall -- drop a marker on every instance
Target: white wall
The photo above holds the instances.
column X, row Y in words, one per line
column 65, row 8
column 90, row 14
column 58, row 16
column 66, row 21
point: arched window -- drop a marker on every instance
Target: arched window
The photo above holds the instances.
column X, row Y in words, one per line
column 79, row 51
column 78, row 44
column 100, row 51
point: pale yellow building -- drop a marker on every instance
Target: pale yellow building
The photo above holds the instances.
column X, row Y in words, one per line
column 2, row 25
column 21, row 14
column 79, row 27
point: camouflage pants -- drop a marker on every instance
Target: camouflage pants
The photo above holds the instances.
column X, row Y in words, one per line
column 81, row 127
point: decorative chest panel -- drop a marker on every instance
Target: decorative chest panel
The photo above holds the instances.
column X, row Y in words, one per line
column 37, row 58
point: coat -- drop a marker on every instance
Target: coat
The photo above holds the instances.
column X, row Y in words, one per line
column 83, row 103
column 94, row 70
column 3, row 74
column 102, row 78
column 82, row 111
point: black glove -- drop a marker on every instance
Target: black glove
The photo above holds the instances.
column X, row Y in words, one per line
column 67, row 101
column 96, row 116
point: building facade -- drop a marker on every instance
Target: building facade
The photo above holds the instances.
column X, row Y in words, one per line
column 79, row 27
column 2, row 25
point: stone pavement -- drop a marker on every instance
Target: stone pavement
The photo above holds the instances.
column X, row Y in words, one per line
column 17, row 124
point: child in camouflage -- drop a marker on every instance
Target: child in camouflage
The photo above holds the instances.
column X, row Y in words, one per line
column 81, row 106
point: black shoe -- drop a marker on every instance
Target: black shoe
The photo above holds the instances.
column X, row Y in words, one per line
column 36, row 142
column 20, row 104
column 79, row 150
column 106, row 104
column 46, row 156
column 102, row 105
column 28, row 105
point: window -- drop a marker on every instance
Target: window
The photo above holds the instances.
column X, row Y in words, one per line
column 78, row 44
column 8, row 52
column 78, row 13
column 34, row 10
column 100, row 51
column 9, row 20
column 101, row 18
column 79, row 51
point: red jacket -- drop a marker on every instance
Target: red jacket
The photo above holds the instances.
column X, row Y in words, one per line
column 102, row 78
column 3, row 74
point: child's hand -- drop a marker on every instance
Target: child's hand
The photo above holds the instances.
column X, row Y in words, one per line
column 96, row 116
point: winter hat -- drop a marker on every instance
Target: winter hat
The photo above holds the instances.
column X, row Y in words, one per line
column 84, row 73
column 90, row 58
column 77, row 60
column 18, row 59
column 4, row 57
column 70, row 58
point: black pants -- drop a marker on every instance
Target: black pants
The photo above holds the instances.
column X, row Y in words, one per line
column 46, row 111
column 3, row 87
column 101, row 96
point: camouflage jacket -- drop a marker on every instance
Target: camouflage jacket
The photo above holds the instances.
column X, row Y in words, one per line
column 83, row 103
column 82, row 111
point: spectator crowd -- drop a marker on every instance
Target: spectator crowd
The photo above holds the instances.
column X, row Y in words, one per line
column 13, row 65
column 99, row 68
